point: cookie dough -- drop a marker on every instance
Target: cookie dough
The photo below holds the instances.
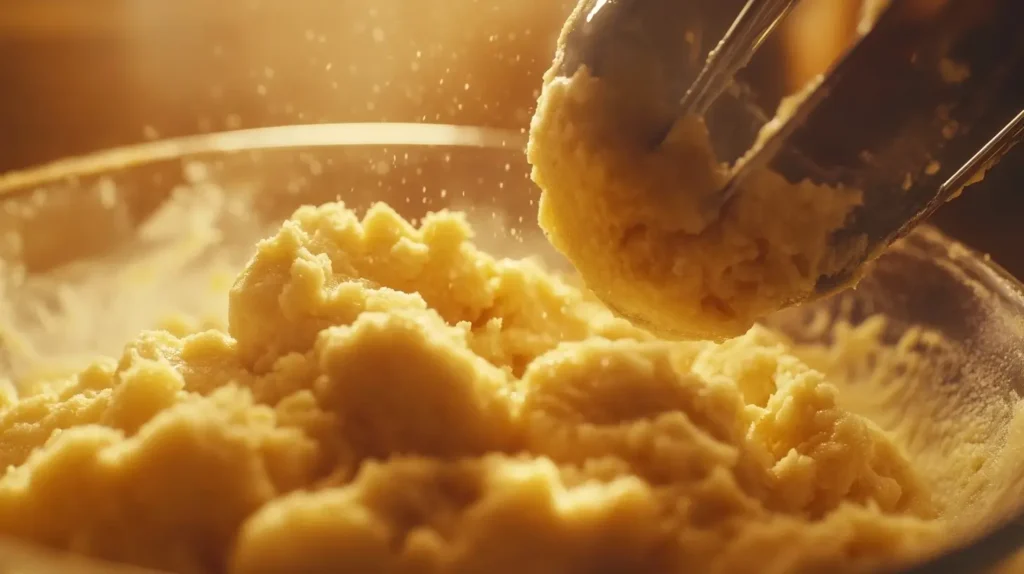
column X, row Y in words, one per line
column 388, row 398
column 645, row 225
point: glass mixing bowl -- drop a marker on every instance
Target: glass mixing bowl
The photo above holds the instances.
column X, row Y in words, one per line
column 94, row 249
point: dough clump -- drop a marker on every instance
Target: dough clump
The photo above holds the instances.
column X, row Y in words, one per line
column 644, row 222
column 388, row 398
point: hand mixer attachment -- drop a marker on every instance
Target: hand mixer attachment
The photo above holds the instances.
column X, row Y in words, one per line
column 926, row 100
column 755, row 23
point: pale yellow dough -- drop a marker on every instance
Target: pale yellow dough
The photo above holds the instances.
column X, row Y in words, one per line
column 387, row 398
column 643, row 223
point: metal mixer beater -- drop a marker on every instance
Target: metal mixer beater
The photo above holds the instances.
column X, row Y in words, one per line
column 922, row 103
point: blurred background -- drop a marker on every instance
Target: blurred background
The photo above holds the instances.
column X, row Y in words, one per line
column 81, row 76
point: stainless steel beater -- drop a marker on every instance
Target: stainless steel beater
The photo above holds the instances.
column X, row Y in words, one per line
column 922, row 103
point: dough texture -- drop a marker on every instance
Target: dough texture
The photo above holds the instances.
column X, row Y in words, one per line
column 388, row 398
column 645, row 223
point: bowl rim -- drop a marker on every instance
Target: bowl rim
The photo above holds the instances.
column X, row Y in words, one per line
column 326, row 135
column 294, row 136
column 986, row 271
